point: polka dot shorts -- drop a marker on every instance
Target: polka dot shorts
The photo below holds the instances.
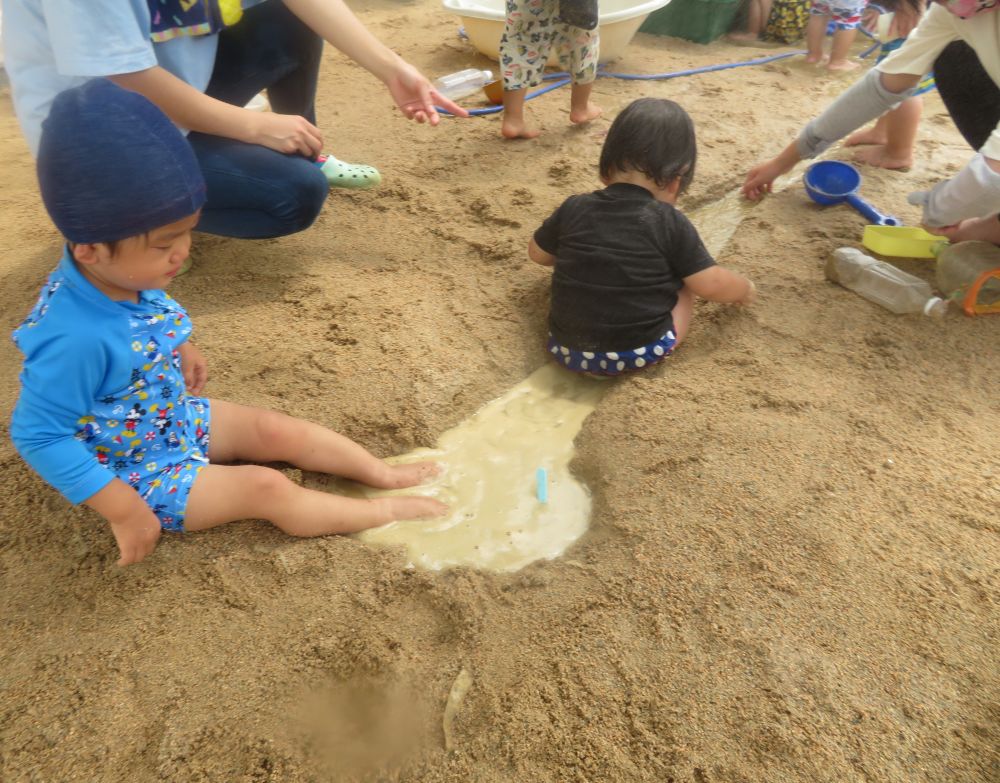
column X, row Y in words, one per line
column 613, row 362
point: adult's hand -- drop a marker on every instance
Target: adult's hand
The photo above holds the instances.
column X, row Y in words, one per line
column 287, row 133
column 416, row 96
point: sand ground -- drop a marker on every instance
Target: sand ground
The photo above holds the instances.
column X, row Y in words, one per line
column 792, row 570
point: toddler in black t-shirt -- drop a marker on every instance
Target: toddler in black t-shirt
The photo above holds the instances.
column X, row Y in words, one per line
column 626, row 263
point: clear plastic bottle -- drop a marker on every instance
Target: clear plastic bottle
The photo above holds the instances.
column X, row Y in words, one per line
column 959, row 266
column 883, row 283
column 462, row 83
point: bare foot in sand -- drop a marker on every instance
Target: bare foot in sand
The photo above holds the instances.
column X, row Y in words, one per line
column 866, row 136
column 589, row 112
column 986, row 229
column 413, row 507
column 879, row 156
column 814, row 59
column 743, row 37
column 407, row 474
column 517, row 130
column 841, row 65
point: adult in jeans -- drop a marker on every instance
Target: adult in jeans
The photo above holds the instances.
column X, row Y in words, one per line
column 960, row 41
column 201, row 62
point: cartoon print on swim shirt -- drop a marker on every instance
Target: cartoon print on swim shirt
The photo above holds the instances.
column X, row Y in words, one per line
column 150, row 426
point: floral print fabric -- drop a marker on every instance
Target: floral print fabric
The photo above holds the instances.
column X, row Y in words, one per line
column 532, row 29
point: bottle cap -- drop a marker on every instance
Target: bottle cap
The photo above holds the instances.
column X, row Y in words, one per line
column 936, row 306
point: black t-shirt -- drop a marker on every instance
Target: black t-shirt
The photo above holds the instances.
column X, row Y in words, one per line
column 621, row 258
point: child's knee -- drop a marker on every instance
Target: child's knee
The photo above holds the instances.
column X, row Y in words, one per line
column 277, row 431
column 267, row 485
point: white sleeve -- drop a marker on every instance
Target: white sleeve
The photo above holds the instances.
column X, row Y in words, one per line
column 99, row 37
column 973, row 192
column 923, row 45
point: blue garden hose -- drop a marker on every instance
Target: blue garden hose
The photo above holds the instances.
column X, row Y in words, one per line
column 563, row 78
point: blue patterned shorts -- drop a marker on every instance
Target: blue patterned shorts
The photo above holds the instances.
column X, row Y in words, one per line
column 166, row 491
column 613, row 362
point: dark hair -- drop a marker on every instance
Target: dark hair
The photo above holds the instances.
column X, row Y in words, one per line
column 655, row 137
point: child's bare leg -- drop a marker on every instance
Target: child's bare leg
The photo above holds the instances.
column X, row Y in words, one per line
column 757, row 14
column 682, row 313
column 876, row 134
column 226, row 493
column 815, row 33
column 514, row 126
column 840, row 49
column 258, row 435
column 581, row 109
column 902, row 124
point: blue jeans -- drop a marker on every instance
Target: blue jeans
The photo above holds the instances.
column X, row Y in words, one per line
column 255, row 192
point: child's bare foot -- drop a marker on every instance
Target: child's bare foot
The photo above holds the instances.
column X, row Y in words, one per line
column 743, row 36
column 814, row 59
column 866, row 136
column 407, row 474
column 841, row 65
column 512, row 129
column 415, row 507
column 879, row 156
column 589, row 112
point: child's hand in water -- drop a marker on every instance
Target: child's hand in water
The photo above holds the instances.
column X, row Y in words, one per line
column 194, row 367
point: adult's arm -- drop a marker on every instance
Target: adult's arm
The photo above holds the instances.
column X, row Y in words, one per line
column 973, row 192
column 192, row 109
column 333, row 21
column 879, row 91
column 870, row 97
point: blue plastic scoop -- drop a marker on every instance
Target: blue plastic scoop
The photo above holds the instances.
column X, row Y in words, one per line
column 832, row 182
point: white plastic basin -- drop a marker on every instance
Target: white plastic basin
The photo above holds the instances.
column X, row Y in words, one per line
column 617, row 22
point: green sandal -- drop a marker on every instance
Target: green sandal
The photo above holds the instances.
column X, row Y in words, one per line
column 349, row 175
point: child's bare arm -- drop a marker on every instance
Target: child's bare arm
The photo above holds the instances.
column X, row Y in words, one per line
column 539, row 256
column 135, row 526
column 193, row 366
column 718, row 284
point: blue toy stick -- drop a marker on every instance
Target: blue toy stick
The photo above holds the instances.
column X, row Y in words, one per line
column 542, row 485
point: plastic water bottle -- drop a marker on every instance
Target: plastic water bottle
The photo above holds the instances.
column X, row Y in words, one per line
column 961, row 266
column 883, row 283
column 463, row 83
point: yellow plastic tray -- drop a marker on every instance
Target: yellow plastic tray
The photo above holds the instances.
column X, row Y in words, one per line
column 901, row 241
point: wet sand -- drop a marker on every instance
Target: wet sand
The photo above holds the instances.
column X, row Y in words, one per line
column 792, row 567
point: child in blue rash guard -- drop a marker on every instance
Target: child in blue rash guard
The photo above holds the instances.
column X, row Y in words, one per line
column 109, row 411
column 626, row 263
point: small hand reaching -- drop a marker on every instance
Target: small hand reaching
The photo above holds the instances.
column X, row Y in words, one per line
column 194, row 367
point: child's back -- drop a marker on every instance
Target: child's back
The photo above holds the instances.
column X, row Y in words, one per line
column 622, row 259
column 626, row 263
